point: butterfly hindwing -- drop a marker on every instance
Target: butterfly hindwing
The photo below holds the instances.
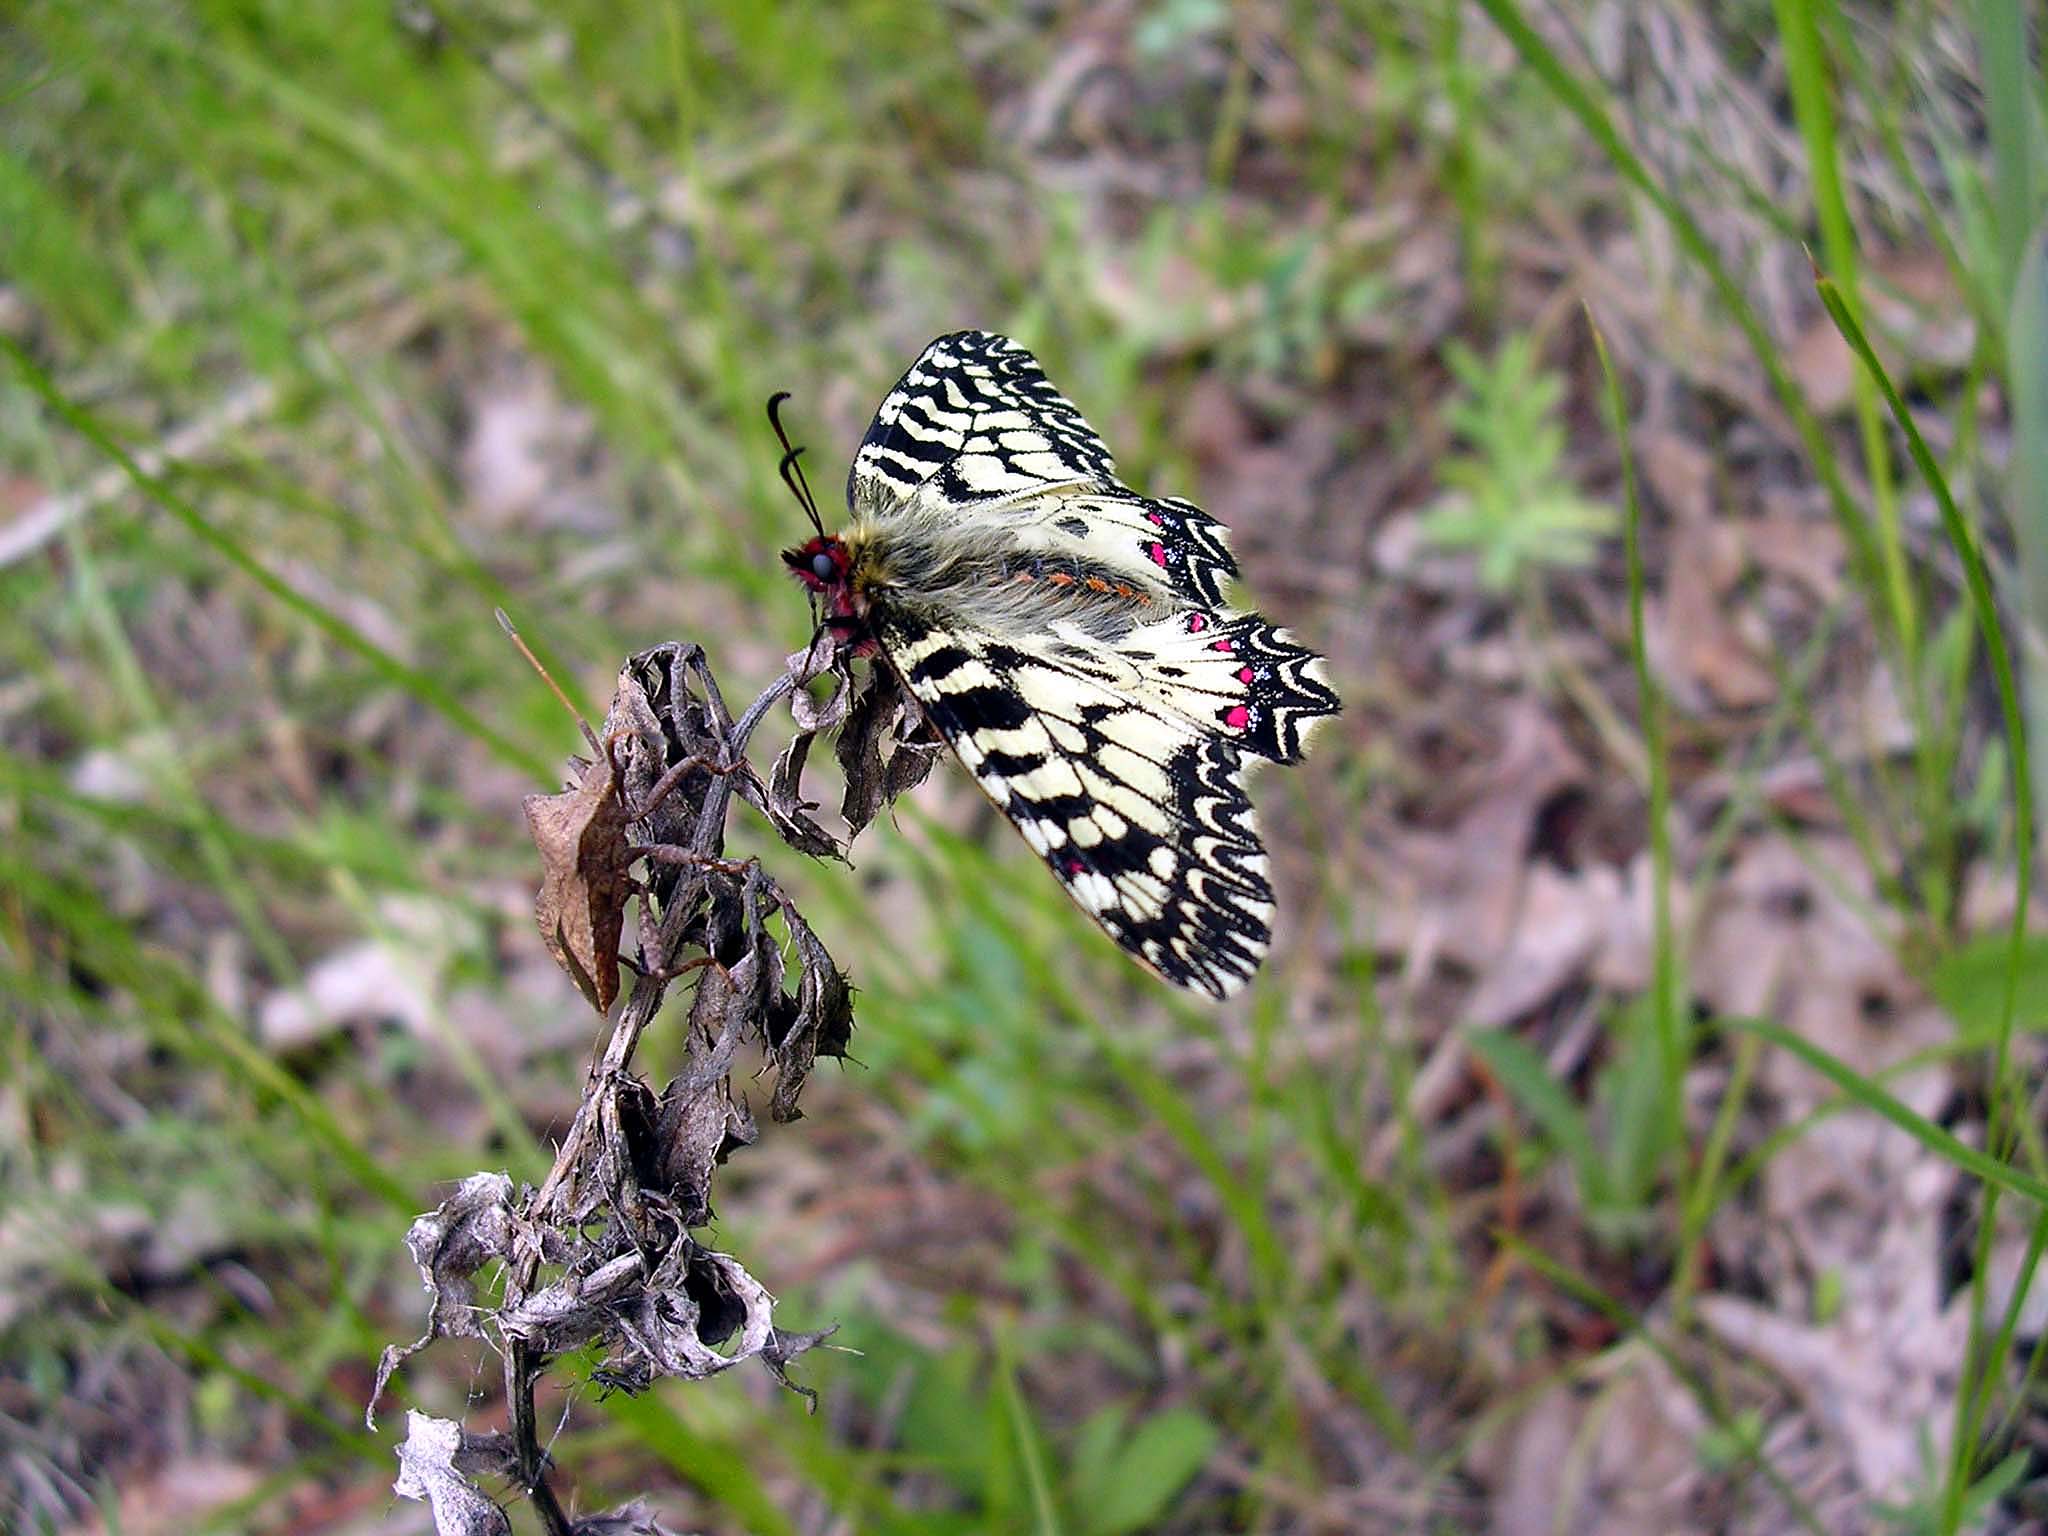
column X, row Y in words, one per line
column 1139, row 811
column 1234, row 675
column 1166, row 540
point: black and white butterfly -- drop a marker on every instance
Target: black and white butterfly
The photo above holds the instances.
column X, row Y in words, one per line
column 1070, row 640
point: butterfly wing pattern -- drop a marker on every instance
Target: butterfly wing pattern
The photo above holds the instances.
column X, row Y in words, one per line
column 1070, row 640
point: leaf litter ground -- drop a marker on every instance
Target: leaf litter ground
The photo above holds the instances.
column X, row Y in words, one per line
column 1468, row 854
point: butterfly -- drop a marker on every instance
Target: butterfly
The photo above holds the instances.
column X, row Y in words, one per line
column 1071, row 642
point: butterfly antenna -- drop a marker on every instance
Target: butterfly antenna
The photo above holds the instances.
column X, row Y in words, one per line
column 791, row 469
column 505, row 623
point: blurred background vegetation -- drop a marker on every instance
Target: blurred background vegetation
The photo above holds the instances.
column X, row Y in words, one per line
column 1639, row 1125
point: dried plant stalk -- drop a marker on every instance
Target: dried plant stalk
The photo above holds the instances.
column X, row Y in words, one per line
column 602, row 1252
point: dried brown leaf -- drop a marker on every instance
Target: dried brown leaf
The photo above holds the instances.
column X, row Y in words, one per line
column 1799, row 548
column 1705, row 564
column 697, row 1122
column 858, row 746
column 821, row 1023
column 1615, row 1458
column 672, row 1322
column 666, row 723
column 585, row 878
column 814, row 715
column 450, row 1244
column 787, row 808
column 885, row 716
column 1562, row 922
column 912, row 762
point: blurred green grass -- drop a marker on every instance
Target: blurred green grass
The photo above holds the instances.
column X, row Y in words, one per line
column 364, row 211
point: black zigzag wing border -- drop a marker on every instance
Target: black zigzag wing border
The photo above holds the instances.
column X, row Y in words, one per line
column 1286, row 691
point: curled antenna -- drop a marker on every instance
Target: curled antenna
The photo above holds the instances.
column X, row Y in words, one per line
column 790, row 469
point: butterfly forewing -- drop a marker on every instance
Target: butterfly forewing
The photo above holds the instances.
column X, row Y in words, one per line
column 976, row 412
column 1070, row 640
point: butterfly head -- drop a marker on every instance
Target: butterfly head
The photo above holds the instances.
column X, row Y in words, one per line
column 822, row 564
column 825, row 566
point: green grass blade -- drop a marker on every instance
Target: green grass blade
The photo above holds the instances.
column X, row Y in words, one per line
column 1667, row 1025
column 187, row 1017
column 719, row 1467
column 2009, row 1327
column 1812, row 104
column 163, row 830
column 1526, row 1076
column 1030, row 1450
column 1935, row 221
column 2027, row 389
column 1984, row 606
column 1990, row 1170
column 147, row 712
column 2019, row 181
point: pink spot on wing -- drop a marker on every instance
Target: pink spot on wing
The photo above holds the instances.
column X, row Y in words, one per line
column 1244, row 674
column 1225, row 644
column 1154, row 517
column 1197, row 622
column 1075, row 866
column 1237, row 717
column 1158, row 553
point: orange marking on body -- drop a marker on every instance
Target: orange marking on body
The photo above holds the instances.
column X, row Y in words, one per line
column 1060, row 579
column 1097, row 584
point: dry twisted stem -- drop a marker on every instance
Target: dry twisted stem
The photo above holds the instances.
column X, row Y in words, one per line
column 602, row 1251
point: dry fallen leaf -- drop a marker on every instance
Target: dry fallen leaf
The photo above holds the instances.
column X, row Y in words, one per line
column 1805, row 549
column 1469, row 878
column 1705, row 564
column 1790, row 935
column 1621, row 1459
column 1562, row 924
